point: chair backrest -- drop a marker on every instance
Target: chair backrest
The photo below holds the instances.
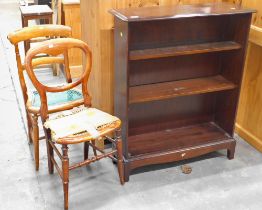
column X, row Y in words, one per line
column 28, row 33
column 56, row 47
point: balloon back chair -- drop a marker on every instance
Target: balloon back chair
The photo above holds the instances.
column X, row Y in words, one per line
column 31, row 97
column 78, row 124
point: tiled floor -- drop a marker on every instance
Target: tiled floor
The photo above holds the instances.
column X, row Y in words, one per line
column 215, row 182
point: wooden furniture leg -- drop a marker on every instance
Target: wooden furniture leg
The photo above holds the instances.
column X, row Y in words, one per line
column 66, row 68
column 94, row 149
column 86, row 150
column 231, row 151
column 126, row 172
column 50, row 156
column 36, row 141
column 65, row 169
column 120, row 165
column 25, row 24
column 29, row 128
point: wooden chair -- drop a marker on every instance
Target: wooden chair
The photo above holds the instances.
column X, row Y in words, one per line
column 33, row 109
column 73, row 120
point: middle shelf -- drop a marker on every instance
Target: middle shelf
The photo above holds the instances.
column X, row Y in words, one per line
column 183, row 50
column 165, row 90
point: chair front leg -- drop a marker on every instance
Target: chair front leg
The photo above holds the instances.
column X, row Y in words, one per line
column 36, row 140
column 65, row 172
column 120, row 163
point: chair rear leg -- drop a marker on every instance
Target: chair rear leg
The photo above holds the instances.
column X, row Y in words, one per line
column 120, row 164
column 36, row 141
column 29, row 127
column 86, row 150
column 50, row 150
column 67, row 68
column 94, row 150
column 65, row 169
column 50, row 153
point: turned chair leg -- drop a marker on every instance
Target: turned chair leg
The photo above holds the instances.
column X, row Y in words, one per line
column 94, row 150
column 86, row 150
column 29, row 127
column 67, row 68
column 65, row 170
column 50, row 155
column 36, row 141
column 120, row 156
column 50, row 151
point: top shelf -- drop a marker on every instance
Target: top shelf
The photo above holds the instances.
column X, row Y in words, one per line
column 178, row 11
column 183, row 50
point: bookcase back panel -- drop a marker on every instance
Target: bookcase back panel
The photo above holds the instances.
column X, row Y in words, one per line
column 237, row 28
column 152, row 34
column 173, row 68
column 173, row 113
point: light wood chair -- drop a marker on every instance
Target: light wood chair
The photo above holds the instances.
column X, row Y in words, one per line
column 74, row 126
column 31, row 98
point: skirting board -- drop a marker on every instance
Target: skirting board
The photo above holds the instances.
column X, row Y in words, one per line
column 76, row 71
column 249, row 137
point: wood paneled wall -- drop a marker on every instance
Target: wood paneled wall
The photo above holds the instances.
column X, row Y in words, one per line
column 70, row 16
column 249, row 120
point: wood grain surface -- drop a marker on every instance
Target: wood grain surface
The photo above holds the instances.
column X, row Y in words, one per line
column 249, row 120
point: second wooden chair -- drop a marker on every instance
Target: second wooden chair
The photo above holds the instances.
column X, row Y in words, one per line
column 31, row 97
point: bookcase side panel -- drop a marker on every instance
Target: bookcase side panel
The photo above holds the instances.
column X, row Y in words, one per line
column 232, row 65
column 121, row 78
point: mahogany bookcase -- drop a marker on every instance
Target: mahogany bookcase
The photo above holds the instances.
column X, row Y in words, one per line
column 178, row 72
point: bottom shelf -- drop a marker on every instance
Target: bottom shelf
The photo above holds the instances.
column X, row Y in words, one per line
column 177, row 144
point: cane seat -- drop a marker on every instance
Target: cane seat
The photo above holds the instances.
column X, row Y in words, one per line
column 81, row 124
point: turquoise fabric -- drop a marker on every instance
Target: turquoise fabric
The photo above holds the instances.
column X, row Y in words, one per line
column 57, row 98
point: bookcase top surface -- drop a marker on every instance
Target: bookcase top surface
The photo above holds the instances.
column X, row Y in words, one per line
column 178, row 11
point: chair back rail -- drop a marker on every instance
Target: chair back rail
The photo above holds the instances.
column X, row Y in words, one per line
column 32, row 32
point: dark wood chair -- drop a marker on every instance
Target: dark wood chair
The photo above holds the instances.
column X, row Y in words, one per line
column 32, row 106
column 35, row 12
column 74, row 125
